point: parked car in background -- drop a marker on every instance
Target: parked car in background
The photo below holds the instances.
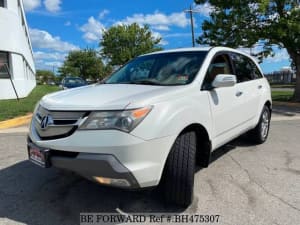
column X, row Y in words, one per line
column 154, row 119
column 72, row 82
column 90, row 81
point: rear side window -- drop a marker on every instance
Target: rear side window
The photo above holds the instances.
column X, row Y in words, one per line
column 255, row 71
column 245, row 68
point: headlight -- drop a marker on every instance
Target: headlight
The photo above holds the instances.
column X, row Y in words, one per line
column 120, row 120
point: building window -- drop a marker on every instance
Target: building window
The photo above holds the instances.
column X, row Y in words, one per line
column 4, row 64
column 2, row 3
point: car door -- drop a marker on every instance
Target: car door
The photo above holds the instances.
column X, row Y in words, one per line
column 248, row 87
column 223, row 101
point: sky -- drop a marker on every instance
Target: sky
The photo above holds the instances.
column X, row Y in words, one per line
column 59, row 26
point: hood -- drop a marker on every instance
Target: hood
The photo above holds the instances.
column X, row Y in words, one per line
column 107, row 97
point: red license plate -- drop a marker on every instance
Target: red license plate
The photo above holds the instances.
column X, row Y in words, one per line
column 38, row 156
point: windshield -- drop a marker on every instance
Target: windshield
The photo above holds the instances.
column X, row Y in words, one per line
column 74, row 81
column 178, row 68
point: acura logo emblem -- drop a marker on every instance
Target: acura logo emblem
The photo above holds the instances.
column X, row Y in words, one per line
column 46, row 121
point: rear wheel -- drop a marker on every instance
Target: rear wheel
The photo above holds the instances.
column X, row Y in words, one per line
column 260, row 133
column 180, row 169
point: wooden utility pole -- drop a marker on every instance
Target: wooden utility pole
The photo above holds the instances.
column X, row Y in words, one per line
column 190, row 11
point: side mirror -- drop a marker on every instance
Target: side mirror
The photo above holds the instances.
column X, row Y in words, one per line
column 224, row 80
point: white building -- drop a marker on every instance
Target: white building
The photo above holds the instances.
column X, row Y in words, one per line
column 15, row 51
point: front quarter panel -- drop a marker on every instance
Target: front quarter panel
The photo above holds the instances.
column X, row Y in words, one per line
column 170, row 117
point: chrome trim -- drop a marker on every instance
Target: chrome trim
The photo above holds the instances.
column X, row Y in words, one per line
column 58, row 128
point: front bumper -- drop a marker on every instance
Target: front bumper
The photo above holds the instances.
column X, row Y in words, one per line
column 111, row 154
column 93, row 166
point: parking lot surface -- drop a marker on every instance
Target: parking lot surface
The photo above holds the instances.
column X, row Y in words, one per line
column 245, row 184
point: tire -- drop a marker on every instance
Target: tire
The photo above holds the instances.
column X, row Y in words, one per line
column 260, row 133
column 178, row 185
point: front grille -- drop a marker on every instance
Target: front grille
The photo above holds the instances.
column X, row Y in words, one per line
column 57, row 124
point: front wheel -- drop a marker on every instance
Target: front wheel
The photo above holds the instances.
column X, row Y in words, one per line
column 260, row 133
column 180, row 170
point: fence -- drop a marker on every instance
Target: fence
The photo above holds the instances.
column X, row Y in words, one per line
column 281, row 77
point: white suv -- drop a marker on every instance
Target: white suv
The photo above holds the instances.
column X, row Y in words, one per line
column 154, row 119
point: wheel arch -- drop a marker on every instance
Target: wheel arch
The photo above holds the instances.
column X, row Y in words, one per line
column 269, row 105
column 203, row 143
column 203, row 146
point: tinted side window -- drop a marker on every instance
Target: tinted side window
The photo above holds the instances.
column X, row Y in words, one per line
column 245, row 68
column 255, row 71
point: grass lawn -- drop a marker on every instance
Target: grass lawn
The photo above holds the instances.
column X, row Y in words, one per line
column 282, row 96
column 12, row 108
column 283, row 85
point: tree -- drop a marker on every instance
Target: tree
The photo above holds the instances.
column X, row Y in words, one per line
column 44, row 76
column 244, row 23
column 123, row 42
column 86, row 64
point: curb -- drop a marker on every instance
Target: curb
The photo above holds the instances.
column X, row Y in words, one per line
column 16, row 122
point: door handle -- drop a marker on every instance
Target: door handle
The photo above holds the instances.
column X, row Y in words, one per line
column 238, row 94
column 259, row 87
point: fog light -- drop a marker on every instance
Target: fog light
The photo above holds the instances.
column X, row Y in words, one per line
column 103, row 180
column 112, row 181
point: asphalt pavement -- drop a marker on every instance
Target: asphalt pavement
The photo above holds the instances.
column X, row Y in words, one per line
column 245, row 184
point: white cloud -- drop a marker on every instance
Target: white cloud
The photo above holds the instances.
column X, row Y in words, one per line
column 58, row 56
column 49, row 60
column 30, row 5
column 103, row 13
column 52, row 5
column 158, row 35
column 42, row 39
column 162, row 27
column 163, row 42
column 176, row 35
column 93, row 30
column 203, row 9
column 158, row 20
column 54, row 64
column 280, row 55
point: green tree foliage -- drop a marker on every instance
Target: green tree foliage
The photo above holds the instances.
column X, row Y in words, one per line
column 243, row 23
column 123, row 42
column 85, row 63
column 45, row 76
